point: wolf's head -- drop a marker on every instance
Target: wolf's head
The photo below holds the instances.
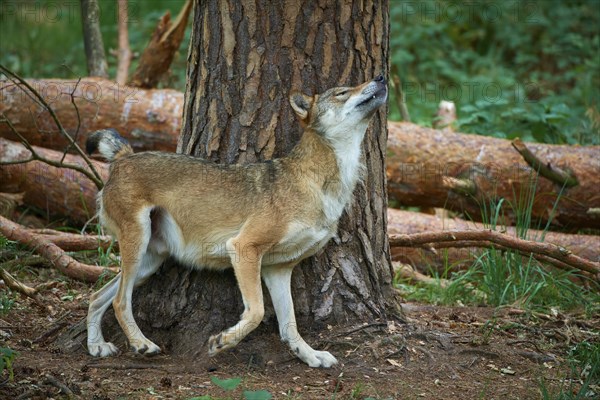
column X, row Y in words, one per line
column 340, row 111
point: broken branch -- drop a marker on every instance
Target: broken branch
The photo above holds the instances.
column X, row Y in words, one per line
column 158, row 55
column 14, row 284
column 546, row 170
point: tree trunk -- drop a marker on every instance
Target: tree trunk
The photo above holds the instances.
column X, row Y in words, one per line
column 245, row 58
column 434, row 168
column 92, row 39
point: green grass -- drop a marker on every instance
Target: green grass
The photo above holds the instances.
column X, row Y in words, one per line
column 505, row 277
column 7, row 358
column 582, row 381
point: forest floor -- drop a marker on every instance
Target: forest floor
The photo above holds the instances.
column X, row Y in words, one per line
column 440, row 353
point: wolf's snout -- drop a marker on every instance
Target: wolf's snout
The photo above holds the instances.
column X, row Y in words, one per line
column 380, row 79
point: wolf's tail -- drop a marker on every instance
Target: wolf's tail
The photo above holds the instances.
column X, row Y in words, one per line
column 109, row 143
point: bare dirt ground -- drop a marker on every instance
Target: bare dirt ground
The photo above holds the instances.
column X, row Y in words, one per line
column 441, row 353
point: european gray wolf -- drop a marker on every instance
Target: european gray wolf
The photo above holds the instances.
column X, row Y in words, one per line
column 261, row 219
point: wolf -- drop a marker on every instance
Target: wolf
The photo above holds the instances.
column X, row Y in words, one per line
column 261, row 219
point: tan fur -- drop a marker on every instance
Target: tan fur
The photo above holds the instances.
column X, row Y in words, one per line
column 261, row 219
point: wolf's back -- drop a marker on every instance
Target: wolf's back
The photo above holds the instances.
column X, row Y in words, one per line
column 109, row 143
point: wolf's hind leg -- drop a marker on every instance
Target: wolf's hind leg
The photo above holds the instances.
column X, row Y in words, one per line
column 99, row 303
column 138, row 262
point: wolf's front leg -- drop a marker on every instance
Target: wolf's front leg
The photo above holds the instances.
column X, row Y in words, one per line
column 278, row 281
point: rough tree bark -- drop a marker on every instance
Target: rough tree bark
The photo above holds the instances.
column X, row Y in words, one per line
column 245, row 58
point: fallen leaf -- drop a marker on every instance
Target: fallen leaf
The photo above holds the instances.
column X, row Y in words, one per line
column 394, row 363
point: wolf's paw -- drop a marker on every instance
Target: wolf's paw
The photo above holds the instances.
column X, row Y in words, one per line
column 320, row 359
column 218, row 343
column 146, row 348
column 102, row 349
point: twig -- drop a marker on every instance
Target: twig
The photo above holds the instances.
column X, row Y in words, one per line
column 124, row 366
column 546, row 170
column 76, row 242
column 36, row 157
column 76, row 136
column 56, row 326
column 360, row 328
column 406, row 271
column 94, row 176
column 484, row 238
column 58, row 258
column 63, row 388
column 487, row 244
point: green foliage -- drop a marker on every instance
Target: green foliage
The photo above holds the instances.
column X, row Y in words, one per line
column 44, row 39
column 528, row 69
column 584, row 361
column 7, row 357
column 458, row 291
column 7, row 302
column 257, row 395
column 506, row 277
column 226, row 384
column 231, row 385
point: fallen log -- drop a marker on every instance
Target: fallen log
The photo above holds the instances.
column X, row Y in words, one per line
column 460, row 172
column 407, row 222
column 58, row 258
column 57, row 191
column 149, row 119
column 65, row 193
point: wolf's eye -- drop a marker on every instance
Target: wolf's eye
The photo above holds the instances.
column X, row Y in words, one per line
column 341, row 94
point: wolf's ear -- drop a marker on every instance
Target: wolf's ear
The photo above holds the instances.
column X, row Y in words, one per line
column 301, row 103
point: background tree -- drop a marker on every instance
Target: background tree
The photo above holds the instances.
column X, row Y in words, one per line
column 245, row 58
column 92, row 39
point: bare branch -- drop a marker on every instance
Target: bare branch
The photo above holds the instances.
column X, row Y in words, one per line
column 97, row 179
column 546, row 170
column 487, row 238
column 37, row 157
